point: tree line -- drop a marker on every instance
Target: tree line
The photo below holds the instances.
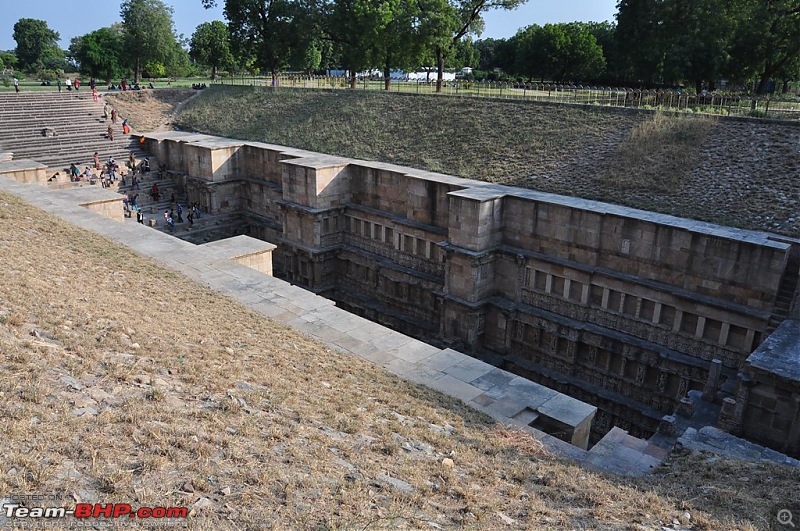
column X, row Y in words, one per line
column 651, row 43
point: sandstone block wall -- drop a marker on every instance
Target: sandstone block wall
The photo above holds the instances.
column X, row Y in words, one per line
column 619, row 307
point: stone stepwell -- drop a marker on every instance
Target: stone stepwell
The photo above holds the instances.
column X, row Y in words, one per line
column 632, row 311
column 567, row 304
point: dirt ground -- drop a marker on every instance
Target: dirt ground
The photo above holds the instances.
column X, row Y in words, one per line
column 121, row 381
column 149, row 110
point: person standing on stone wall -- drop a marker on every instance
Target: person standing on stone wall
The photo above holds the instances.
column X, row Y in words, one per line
column 16, row 85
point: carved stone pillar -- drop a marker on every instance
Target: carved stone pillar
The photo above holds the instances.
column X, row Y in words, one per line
column 712, row 383
column 742, row 395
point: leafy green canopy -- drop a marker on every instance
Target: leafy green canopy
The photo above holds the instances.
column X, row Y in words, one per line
column 100, row 53
column 37, row 45
column 148, row 35
column 210, row 45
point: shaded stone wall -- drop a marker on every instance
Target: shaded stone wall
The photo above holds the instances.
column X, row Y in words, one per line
column 621, row 308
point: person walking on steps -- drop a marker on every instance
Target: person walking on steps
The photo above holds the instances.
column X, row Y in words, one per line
column 16, row 85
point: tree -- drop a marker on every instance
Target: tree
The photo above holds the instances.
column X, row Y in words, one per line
column 496, row 53
column 467, row 19
column 210, row 45
column 100, row 53
column 36, row 43
column 559, row 52
column 700, row 53
column 7, row 60
column 640, row 40
column 266, row 30
column 178, row 63
column 397, row 43
column 149, row 36
column 766, row 43
column 351, row 25
column 605, row 35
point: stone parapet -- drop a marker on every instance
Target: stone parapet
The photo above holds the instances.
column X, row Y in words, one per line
column 24, row 171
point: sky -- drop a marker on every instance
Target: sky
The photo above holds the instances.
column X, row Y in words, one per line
column 72, row 18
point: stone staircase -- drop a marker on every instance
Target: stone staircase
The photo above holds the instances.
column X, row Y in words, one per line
column 57, row 129
column 786, row 291
column 204, row 229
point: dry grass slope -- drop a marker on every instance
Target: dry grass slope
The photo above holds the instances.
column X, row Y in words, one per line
column 658, row 153
column 197, row 397
column 739, row 173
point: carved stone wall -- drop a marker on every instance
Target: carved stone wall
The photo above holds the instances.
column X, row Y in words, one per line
column 621, row 308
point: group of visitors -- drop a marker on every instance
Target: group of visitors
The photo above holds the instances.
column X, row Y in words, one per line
column 110, row 112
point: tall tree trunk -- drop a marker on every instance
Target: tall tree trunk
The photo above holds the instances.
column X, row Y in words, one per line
column 136, row 72
column 763, row 81
column 274, row 72
column 439, row 68
column 213, row 72
column 352, row 78
column 387, row 79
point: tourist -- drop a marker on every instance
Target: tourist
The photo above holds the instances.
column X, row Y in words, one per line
column 16, row 84
column 154, row 193
column 139, row 215
column 190, row 217
column 96, row 158
column 180, row 213
column 94, row 94
column 131, row 158
column 92, row 83
column 88, row 174
column 68, row 84
column 74, row 172
column 134, row 183
column 112, row 168
column 77, row 83
column 145, row 167
column 58, row 82
column 110, row 133
column 113, row 115
column 123, row 84
column 126, row 128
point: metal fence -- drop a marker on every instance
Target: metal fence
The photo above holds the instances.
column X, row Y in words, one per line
column 722, row 104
